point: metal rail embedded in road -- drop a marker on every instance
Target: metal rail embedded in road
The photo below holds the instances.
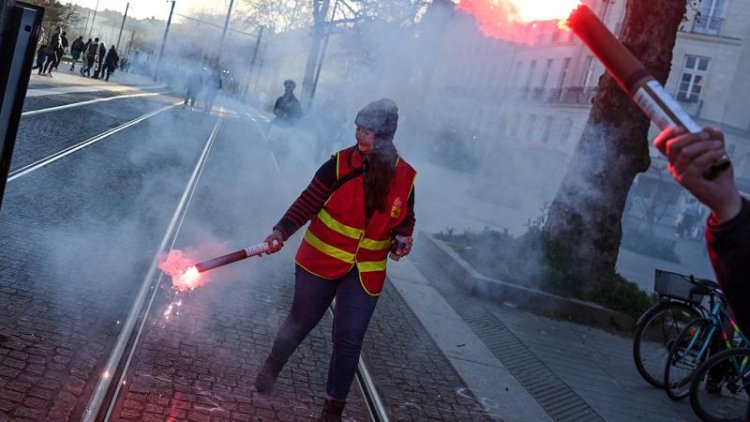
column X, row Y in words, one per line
column 73, row 148
column 83, row 103
column 127, row 340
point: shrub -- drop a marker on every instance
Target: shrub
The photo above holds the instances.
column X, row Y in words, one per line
column 646, row 242
column 521, row 261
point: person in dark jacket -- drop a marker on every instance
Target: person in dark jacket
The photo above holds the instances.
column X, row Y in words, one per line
column 360, row 205
column 76, row 50
column 193, row 86
column 41, row 54
column 99, row 73
column 212, row 84
column 110, row 62
column 287, row 108
column 92, row 48
column 52, row 52
column 728, row 226
column 61, row 50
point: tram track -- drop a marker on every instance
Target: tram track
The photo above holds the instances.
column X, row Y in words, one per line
column 104, row 397
column 83, row 144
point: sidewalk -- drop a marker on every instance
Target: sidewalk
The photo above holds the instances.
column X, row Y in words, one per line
column 522, row 366
column 63, row 81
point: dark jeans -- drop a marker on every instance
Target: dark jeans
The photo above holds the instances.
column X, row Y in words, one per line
column 354, row 307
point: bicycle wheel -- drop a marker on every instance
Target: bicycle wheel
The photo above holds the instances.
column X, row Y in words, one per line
column 654, row 336
column 725, row 399
column 689, row 350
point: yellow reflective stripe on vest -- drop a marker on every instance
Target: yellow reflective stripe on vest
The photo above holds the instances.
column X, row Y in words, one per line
column 368, row 267
column 328, row 249
column 375, row 245
column 334, row 225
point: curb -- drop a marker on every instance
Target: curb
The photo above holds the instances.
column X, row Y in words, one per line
column 438, row 254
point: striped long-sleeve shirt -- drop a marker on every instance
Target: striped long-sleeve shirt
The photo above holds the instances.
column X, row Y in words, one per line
column 311, row 201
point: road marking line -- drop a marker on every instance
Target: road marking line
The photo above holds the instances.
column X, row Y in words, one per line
column 83, row 103
column 73, row 148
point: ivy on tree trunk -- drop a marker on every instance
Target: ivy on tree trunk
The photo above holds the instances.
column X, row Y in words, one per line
column 583, row 231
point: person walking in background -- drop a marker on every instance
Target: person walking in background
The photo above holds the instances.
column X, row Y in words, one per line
column 52, row 52
column 110, row 62
column 92, row 47
column 361, row 206
column 213, row 85
column 193, row 86
column 61, row 51
column 690, row 215
column 99, row 73
column 287, row 108
column 76, row 49
column 728, row 225
column 41, row 55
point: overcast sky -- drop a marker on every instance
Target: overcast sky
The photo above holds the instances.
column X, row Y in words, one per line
column 158, row 8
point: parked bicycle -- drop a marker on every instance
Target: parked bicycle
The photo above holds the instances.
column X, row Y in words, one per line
column 680, row 301
column 729, row 399
column 700, row 339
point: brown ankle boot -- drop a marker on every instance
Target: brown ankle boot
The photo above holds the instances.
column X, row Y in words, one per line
column 268, row 374
column 332, row 410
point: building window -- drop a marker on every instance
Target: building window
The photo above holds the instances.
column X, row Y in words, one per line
column 545, row 75
column 710, row 18
column 515, row 124
column 546, row 129
column 567, row 125
column 589, row 66
column 530, row 127
column 530, row 75
column 563, row 72
column 691, row 81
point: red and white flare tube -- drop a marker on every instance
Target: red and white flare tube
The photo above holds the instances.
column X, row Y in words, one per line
column 634, row 79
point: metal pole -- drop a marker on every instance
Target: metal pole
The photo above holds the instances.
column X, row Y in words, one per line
column 322, row 55
column 125, row 16
column 94, row 18
column 226, row 26
column 252, row 62
column 86, row 25
column 164, row 42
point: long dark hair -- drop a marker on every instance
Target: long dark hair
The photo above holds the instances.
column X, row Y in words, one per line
column 379, row 172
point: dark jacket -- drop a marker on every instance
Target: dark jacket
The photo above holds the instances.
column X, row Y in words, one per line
column 92, row 48
column 78, row 46
column 112, row 59
column 287, row 109
column 729, row 250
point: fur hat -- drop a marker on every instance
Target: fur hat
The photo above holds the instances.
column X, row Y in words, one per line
column 380, row 116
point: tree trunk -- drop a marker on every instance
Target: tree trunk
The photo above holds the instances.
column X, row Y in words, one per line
column 583, row 229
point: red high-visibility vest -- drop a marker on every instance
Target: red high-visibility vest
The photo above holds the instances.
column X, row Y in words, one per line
column 337, row 238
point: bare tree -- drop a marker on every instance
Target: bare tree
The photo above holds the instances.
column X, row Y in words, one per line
column 583, row 229
column 56, row 14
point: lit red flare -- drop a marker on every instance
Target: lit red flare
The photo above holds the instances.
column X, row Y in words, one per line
column 508, row 19
column 186, row 274
column 182, row 270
